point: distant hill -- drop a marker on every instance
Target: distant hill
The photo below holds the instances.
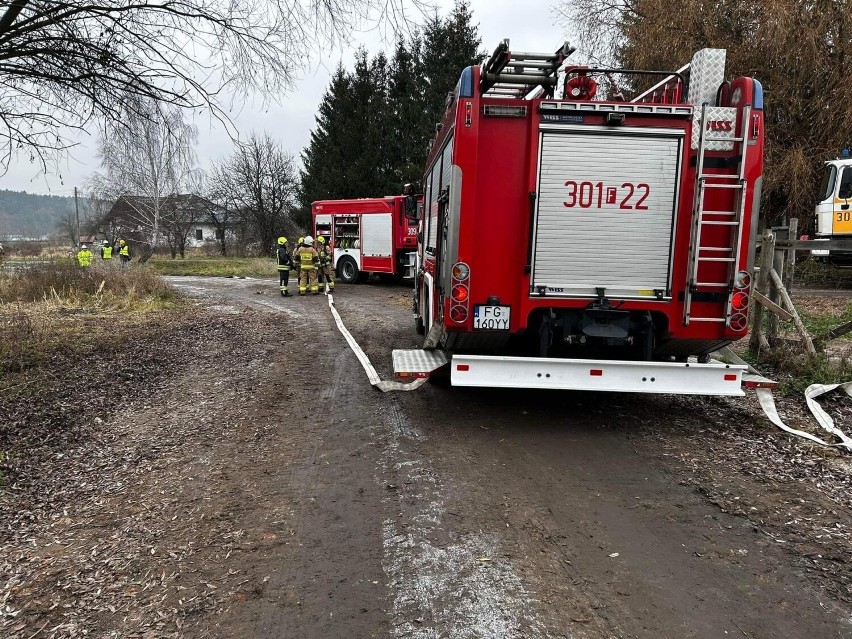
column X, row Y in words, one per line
column 23, row 213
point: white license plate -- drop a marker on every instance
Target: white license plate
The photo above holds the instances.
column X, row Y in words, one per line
column 492, row 317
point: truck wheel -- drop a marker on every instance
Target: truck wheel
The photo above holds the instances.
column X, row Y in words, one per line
column 347, row 270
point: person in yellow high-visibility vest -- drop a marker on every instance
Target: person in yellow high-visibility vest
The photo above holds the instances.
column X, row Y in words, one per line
column 123, row 252
column 106, row 251
column 84, row 256
column 326, row 272
column 308, row 259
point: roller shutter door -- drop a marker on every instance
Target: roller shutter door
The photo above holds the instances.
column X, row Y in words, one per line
column 376, row 235
column 605, row 213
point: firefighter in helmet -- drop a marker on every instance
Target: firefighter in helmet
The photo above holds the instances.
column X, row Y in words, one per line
column 308, row 260
column 123, row 252
column 296, row 264
column 326, row 272
column 285, row 262
column 84, row 256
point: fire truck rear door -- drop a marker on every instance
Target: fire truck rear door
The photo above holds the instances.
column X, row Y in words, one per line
column 605, row 212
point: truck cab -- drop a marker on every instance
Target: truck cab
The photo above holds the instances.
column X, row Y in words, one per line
column 833, row 219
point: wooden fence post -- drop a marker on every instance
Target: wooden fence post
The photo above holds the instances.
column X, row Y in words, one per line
column 790, row 257
column 778, row 257
column 761, row 285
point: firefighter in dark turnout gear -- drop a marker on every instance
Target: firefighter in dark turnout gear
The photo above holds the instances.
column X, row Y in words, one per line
column 297, row 267
column 326, row 272
column 285, row 263
column 308, row 260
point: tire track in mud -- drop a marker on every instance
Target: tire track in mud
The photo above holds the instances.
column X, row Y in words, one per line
column 441, row 584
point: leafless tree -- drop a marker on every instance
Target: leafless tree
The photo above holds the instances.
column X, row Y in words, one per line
column 66, row 227
column 262, row 180
column 145, row 161
column 225, row 213
column 64, row 63
column 798, row 49
column 179, row 217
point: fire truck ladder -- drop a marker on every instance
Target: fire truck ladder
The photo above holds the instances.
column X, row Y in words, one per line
column 701, row 252
column 515, row 74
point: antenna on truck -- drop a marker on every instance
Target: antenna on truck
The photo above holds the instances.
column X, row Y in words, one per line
column 515, row 74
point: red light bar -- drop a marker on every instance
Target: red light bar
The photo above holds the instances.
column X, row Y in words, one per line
column 596, row 372
column 463, row 367
column 730, row 377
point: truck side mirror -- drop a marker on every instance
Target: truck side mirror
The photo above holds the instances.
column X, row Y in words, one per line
column 411, row 211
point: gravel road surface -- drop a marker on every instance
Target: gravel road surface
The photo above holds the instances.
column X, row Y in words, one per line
column 283, row 496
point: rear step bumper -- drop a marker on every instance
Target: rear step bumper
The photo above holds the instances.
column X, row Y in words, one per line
column 691, row 378
column 681, row 378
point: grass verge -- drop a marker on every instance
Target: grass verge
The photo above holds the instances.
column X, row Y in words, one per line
column 216, row 266
column 796, row 371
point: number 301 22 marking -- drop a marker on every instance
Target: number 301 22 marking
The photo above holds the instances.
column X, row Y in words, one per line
column 585, row 194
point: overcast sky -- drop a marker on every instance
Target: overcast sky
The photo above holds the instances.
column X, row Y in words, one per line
column 531, row 25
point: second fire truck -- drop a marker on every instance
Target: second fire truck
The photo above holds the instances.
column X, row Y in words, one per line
column 368, row 235
column 585, row 241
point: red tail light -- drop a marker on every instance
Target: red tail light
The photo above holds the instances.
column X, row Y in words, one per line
column 739, row 301
column 460, row 292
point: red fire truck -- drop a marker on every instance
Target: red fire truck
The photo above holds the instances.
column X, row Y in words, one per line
column 369, row 235
column 586, row 241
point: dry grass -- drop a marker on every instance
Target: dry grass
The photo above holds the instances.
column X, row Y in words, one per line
column 60, row 307
column 100, row 286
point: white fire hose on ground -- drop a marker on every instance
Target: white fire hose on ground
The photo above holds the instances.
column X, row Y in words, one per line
column 372, row 374
column 767, row 403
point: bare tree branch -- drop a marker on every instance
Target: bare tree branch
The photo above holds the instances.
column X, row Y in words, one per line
column 64, row 63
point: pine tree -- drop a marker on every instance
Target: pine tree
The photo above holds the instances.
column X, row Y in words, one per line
column 327, row 160
column 374, row 124
column 449, row 46
column 409, row 124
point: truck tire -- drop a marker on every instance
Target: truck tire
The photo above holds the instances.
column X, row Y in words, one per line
column 347, row 270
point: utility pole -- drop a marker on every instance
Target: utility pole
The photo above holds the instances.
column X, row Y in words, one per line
column 77, row 211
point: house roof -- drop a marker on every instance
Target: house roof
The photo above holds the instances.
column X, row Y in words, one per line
column 127, row 207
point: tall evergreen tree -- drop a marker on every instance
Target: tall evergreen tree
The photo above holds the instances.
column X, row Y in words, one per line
column 410, row 126
column 327, row 159
column 374, row 124
column 449, row 46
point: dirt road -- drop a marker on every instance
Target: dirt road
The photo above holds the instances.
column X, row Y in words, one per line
column 282, row 496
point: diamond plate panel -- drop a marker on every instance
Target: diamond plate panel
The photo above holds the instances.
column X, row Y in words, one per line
column 706, row 74
column 418, row 360
column 718, row 116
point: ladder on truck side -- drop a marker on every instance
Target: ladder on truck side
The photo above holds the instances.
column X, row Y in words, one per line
column 701, row 251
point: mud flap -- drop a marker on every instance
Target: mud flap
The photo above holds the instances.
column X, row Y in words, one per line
column 433, row 338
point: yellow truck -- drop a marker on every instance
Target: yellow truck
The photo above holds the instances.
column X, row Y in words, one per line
column 834, row 209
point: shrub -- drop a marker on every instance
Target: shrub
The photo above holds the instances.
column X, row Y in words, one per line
column 103, row 285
